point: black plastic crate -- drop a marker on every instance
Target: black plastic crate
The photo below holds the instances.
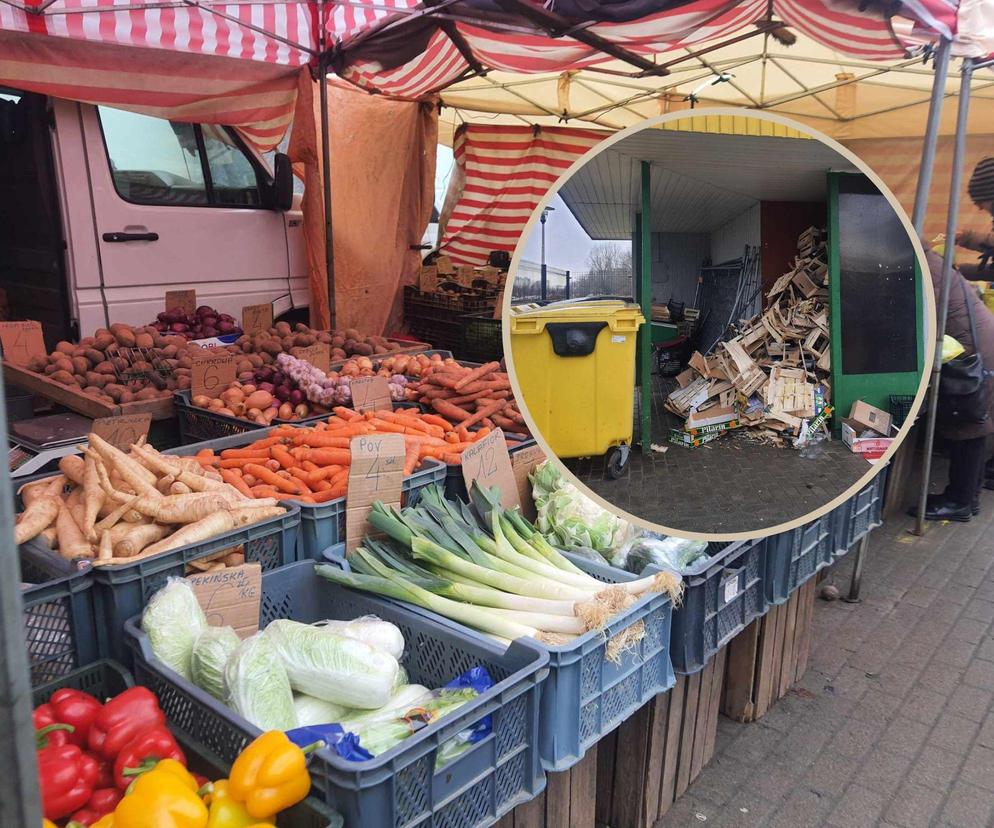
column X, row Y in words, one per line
column 482, row 340
column 899, row 407
column 855, row 518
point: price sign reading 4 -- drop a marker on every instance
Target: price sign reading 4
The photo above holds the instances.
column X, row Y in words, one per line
column 257, row 318
column 183, row 299
column 21, row 341
column 376, row 473
column 488, row 464
column 212, row 372
column 124, row 431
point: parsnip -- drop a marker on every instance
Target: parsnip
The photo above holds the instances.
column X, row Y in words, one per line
column 186, row 508
column 93, row 497
column 243, row 516
column 139, row 478
column 72, row 544
column 138, row 538
column 39, row 488
column 166, row 465
column 36, row 518
column 72, row 467
column 117, row 514
column 209, row 527
column 178, row 488
column 106, row 546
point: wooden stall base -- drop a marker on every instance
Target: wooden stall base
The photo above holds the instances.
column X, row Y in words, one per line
column 566, row 802
column 652, row 758
column 769, row 657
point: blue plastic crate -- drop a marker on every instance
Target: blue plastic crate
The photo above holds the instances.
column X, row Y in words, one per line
column 59, row 614
column 322, row 525
column 795, row 556
column 105, row 679
column 400, row 787
column 586, row 696
column 122, row 590
column 859, row 515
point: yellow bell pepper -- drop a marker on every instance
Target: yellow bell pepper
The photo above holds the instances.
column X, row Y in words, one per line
column 226, row 812
column 162, row 798
column 104, row 822
column 270, row 775
column 47, row 823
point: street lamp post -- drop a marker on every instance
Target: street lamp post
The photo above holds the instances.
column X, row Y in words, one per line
column 544, row 290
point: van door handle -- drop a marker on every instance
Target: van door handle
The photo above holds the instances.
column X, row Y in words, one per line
column 127, row 237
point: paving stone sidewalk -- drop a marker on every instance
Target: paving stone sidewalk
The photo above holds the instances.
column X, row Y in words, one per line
column 893, row 724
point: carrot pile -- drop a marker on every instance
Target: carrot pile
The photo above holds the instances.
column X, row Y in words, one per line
column 311, row 465
column 467, row 396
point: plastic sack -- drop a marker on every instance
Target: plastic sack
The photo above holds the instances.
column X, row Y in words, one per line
column 210, row 656
column 333, row 667
column 951, row 348
column 173, row 621
column 311, row 711
column 258, row 685
column 370, row 630
column 664, row 551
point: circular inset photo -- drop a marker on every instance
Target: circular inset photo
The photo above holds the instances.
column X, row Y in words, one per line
column 728, row 327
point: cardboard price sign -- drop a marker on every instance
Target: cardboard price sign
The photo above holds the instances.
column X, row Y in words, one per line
column 523, row 463
column 257, row 318
column 370, row 394
column 21, row 341
column 184, row 299
column 376, row 473
column 124, row 431
column 212, row 373
column 488, row 463
column 317, row 354
column 231, row 597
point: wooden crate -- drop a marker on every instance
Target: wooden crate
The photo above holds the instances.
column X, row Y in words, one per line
column 566, row 802
column 769, row 657
column 645, row 765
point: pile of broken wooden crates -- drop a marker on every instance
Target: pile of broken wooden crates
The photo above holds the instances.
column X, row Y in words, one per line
column 772, row 377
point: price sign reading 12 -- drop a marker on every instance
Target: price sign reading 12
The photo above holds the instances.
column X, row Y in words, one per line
column 488, row 464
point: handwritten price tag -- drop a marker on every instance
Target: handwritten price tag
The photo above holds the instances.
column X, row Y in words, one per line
column 523, row 462
column 317, row 354
column 231, row 597
column 124, row 431
column 376, row 473
column 257, row 318
column 212, row 372
column 184, row 299
column 488, row 463
column 370, row 394
column 21, row 341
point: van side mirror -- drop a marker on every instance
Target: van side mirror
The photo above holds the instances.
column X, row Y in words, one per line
column 281, row 191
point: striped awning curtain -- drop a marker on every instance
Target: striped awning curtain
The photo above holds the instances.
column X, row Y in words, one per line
column 501, row 174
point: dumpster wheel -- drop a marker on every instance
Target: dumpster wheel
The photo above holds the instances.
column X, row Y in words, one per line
column 617, row 461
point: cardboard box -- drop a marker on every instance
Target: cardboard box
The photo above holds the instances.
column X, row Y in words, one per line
column 871, row 447
column 865, row 416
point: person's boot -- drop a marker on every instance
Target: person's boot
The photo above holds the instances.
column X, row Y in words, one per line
column 933, row 502
column 950, row 511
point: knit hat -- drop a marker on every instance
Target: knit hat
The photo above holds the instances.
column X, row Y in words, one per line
column 981, row 186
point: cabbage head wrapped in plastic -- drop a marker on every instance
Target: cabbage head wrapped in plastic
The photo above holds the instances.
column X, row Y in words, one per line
column 663, row 551
column 371, row 630
column 173, row 621
column 258, row 686
column 210, row 656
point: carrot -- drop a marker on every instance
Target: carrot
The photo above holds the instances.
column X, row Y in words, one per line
column 282, row 456
column 435, row 420
column 261, row 490
column 252, row 452
column 267, row 476
column 412, row 452
column 321, row 486
column 484, row 412
column 241, row 462
column 330, row 456
column 483, row 432
column 308, row 465
column 233, row 478
column 453, row 412
column 331, row 494
column 205, row 457
column 346, row 414
column 477, row 373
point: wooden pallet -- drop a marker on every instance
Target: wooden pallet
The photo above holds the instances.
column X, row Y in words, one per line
column 645, row 765
column 566, row 802
column 769, row 657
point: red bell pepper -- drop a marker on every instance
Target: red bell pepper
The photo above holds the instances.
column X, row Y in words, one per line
column 53, row 735
column 143, row 753
column 66, row 776
column 71, row 707
column 103, row 802
column 121, row 719
column 105, row 774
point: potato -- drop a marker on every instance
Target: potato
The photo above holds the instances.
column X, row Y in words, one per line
column 363, row 350
column 246, row 376
column 243, row 366
column 337, row 355
column 271, row 347
column 65, row 377
column 144, row 340
column 181, row 372
column 283, row 329
column 147, row 394
column 80, row 365
column 141, row 366
column 63, row 364
column 243, row 340
column 255, row 360
column 37, row 363
column 66, row 348
column 120, row 364
column 351, row 333
column 324, row 337
column 259, row 399
column 80, row 381
column 125, row 396
column 268, row 359
column 105, row 367
column 97, row 380
column 227, row 412
column 338, row 341
column 302, row 340
column 124, row 335
column 233, row 559
column 182, row 383
column 169, row 352
column 86, row 342
column 103, row 341
column 287, row 343
column 184, row 362
column 93, row 355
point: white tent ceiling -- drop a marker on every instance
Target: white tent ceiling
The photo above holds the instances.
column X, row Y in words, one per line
column 699, row 181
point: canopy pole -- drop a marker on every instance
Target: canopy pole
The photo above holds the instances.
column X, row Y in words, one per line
column 329, row 236
column 959, row 149
column 931, row 135
column 645, row 296
column 19, row 800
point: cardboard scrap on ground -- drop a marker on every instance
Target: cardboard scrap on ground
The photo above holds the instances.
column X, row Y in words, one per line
column 772, row 377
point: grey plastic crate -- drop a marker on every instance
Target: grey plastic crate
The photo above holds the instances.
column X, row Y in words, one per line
column 859, row 515
column 455, row 485
column 400, row 787
column 105, row 679
column 59, row 614
column 122, row 590
column 322, row 525
column 199, row 424
column 795, row 556
column 586, row 696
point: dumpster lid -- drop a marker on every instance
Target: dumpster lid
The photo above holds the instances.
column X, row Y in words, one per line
column 576, row 309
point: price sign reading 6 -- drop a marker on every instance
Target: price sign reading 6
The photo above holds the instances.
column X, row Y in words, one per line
column 211, row 374
column 488, row 464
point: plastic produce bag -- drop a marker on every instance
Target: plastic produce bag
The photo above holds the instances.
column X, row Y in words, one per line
column 258, row 686
column 370, row 630
column 311, row 711
column 210, row 656
column 173, row 621
column 664, row 551
column 951, row 348
column 333, row 667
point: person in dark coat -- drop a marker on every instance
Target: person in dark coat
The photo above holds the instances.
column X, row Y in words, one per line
column 967, row 441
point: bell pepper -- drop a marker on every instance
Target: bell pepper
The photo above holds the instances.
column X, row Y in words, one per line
column 122, row 719
column 225, row 812
column 71, row 707
column 271, row 775
column 66, row 776
column 103, row 802
column 162, row 798
column 105, row 775
column 143, row 753
column 47, row 823
column 53, row 735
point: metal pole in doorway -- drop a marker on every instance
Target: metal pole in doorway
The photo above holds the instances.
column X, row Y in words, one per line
column 925, row 169
column 544, row 279
column 857, row 571
column 645, row 296
column 959, row 149
column 329, row 236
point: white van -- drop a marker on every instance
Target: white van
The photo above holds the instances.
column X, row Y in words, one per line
column 102, row 211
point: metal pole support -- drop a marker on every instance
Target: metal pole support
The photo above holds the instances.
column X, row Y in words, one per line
column 927, row 165
column 329, row 236
column 857, row 572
